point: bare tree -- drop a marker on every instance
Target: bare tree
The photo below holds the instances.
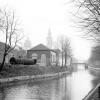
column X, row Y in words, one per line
column 62, row 49
column 64, row 46
column 67, row 49
column 89, row 15
column 8, row 25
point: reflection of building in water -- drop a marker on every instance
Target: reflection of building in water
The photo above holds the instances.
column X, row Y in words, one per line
column 52, row 90
column 45, row 91
column 49, row 90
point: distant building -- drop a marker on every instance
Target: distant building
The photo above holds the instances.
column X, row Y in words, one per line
column 49, row 39
column 43, row 55
column 27, row 44
column 17, row 53
column 14, row 53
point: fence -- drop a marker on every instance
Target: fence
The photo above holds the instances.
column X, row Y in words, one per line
column 94, row 94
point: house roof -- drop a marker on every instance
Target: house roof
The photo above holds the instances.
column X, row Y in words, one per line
column 41, row 47
column 57, row 50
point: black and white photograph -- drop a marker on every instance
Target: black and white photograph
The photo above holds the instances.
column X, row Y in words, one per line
column 49, row 49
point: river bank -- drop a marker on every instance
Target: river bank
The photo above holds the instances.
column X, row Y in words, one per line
column 34, row 73
column 33, row 77
column 98, row 69
column 94, row 67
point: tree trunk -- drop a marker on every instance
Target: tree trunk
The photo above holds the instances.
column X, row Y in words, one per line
column 65, row 59
column 62, row 59
column 2, row 64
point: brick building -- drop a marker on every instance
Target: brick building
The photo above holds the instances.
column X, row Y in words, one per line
column 43, row 55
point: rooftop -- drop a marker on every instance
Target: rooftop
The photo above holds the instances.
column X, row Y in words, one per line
column 40, row 47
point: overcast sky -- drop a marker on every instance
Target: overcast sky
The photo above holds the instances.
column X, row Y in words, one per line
column 37, row 16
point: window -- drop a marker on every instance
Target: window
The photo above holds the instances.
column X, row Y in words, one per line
column 34, row 56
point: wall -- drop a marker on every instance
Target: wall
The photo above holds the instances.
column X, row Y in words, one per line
column 39, row 53
column 53, row 58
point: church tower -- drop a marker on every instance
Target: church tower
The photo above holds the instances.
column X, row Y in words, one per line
column 49, row 39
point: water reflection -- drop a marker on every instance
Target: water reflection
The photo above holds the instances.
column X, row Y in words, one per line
column 72, row 87
column 80, row 84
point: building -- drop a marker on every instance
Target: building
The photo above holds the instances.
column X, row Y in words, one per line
column 43, row 55
column 49, row 39
column 14, row 53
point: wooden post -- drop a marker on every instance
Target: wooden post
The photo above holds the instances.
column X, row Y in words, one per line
column 99, row 92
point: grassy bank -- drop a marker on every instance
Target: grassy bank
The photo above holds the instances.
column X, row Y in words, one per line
column 21, row 70
column 95, row 64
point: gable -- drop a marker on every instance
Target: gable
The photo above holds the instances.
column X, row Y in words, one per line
column 40, row 47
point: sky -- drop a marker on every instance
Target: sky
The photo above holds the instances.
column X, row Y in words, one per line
column 38, row 16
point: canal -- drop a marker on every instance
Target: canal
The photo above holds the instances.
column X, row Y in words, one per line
column 70, row 87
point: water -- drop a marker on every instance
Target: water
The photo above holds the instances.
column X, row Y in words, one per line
column 71, row 87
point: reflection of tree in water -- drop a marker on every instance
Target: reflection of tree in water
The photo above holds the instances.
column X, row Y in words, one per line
column 55, row 90
column 65, row 90
column 48, row 90
column 51, row 90
column 96, row 79
column 45, row 91
column 2, row 93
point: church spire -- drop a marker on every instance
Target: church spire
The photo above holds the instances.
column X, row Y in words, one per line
column 49, row 39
